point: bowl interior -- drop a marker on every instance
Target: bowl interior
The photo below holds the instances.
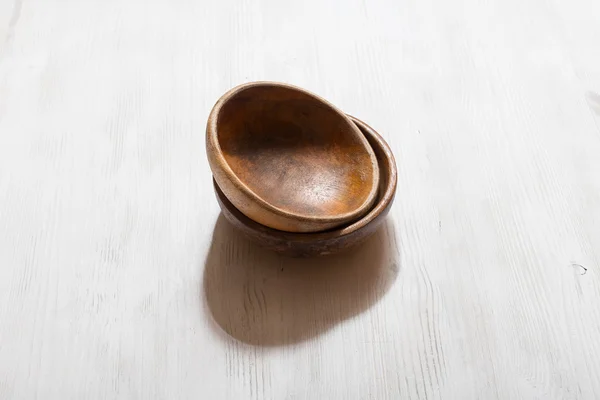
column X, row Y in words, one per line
column 297, row 153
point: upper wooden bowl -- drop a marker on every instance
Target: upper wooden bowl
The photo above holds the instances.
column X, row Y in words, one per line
column 290, row 160
column 313, row 244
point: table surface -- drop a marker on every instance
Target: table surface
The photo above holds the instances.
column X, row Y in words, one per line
column 119, row 279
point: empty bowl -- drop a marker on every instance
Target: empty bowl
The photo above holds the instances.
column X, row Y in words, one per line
column 290, row 160
column 332, row 241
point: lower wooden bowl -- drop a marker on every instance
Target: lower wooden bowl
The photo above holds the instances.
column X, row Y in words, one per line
column 328, row 242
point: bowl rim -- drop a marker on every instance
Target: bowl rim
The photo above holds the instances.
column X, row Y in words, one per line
column 384, row 200
column 212, row 136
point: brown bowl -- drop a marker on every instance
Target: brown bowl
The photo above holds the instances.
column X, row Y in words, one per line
column 333, row 241
column 290, row 160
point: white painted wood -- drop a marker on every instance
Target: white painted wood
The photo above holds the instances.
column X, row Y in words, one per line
column 118, row 280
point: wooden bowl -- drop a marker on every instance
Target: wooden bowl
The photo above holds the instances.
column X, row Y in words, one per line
column 314, row 244
column 290, row 160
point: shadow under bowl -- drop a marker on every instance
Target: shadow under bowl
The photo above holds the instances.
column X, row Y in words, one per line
column 328, row 242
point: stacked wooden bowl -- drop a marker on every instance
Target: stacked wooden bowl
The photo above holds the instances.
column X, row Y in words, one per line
column 294, row 173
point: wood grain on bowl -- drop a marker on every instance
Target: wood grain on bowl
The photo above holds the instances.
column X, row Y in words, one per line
column 290, row 160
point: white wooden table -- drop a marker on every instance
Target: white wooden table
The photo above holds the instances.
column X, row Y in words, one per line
column 119, row 280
